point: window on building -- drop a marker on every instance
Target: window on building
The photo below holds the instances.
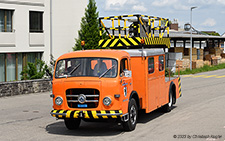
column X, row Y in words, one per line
column 19, row 65
column 36, row 21
column 2, row 67
column 222, row 45
column 31, row 57
column 161, row 63
column 6, row 20
column 150, row 65
column 11, row 66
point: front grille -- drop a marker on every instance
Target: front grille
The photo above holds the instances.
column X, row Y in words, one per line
column 92, row 98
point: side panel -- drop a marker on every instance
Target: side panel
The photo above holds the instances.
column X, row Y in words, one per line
column 139, row 78
column 163, row 94
column 152, row 85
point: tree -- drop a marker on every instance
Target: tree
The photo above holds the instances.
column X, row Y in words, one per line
column 89, row 31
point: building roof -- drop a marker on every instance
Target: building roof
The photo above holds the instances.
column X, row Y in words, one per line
column 223, row 35
column 186, row 34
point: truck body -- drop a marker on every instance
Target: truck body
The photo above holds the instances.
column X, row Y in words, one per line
column 113, row 83
column 146, row 83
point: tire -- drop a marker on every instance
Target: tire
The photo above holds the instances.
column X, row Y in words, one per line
column 168, row 107
column 133, row 116
column 72, row 124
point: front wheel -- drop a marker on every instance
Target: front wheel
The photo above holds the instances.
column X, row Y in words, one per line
column 133, row 115
column 72, row 124
column 168, row 106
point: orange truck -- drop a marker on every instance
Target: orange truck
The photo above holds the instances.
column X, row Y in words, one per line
column 113, row 83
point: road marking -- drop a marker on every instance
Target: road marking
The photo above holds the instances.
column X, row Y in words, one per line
column 199, row 76
column 188, row 76
column 209, row 76
column 220, row 76
column 204, row 76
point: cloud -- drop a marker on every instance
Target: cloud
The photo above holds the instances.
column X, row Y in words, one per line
column 210, row 22
column 178, row 5
column 221, row 1
column 119, row 5
column 162, row 3
column 139, row 8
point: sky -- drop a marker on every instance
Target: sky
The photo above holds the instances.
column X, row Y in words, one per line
column 208, row 16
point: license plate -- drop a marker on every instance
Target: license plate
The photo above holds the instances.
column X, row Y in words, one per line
column 82, row 105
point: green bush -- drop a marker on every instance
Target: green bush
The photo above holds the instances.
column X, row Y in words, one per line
column 167, row 73
column 34, row 70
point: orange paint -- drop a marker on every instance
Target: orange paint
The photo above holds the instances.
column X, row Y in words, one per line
column 147, row 80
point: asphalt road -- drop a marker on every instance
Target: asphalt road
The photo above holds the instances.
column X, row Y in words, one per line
column 198, row 115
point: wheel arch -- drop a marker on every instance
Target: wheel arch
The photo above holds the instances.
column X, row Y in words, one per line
column 173, row 89
column 134, row 95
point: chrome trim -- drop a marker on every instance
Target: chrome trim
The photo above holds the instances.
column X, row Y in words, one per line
column 85, row 95
column 85, row 101
column 109, row 114
column 125, row 117
column 58, row 114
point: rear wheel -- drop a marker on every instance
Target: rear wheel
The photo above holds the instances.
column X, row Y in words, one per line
column 72, row 124
column 133, row 115
column 168, row 106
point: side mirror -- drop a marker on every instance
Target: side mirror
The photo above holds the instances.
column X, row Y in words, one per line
column 127, row 73
column 49, row 74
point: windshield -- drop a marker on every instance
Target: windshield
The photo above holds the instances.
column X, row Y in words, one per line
column 92, row 67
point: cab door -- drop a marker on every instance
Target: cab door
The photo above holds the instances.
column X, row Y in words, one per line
column 126, row 81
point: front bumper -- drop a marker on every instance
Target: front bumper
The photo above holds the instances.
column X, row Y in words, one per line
column 87, row 114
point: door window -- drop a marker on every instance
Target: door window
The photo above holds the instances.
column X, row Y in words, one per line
column 161, row 63
column 150, row 65
column 123, row 66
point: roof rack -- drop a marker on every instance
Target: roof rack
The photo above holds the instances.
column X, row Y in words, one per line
column 128, row 30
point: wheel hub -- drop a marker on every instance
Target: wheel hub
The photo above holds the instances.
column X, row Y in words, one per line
column 133, row 114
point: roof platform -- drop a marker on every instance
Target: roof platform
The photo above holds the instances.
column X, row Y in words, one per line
column 127, row 31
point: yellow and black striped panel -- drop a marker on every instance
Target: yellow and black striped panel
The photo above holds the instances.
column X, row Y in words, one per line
column 157, row 41
column 87, row 114
column 133, row 41
column 179, row 83
column 118, row 42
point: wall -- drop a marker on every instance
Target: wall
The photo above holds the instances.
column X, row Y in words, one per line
column 66, row 18
column 24, row 87
column 20, row 37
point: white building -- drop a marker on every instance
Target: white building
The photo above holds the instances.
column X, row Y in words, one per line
column 25, row 32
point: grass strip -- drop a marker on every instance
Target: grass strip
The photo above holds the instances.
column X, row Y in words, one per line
column 205, row 68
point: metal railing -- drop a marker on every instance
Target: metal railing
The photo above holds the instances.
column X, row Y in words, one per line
column 134, row 25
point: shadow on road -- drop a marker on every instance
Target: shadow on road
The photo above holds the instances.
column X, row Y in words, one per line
column 86, row 129
column 99, row 128
column 144, row 118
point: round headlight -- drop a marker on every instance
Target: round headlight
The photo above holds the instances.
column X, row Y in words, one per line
column 107, row 101
column 58, row 100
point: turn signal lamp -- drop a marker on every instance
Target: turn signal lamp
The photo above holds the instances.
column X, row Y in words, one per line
column 142, row 41
column 82, row 43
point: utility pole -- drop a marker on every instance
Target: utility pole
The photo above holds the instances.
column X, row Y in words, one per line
column 191, row 38
column 50, row 29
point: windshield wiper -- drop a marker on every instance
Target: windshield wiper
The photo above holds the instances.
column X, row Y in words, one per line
column 106, row 71
column 74, row 69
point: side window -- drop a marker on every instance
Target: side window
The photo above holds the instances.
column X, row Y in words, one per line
column 150, row 65
column 161, row 63
column 123, row 65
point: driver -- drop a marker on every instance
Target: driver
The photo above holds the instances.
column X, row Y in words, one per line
column 100, row 67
